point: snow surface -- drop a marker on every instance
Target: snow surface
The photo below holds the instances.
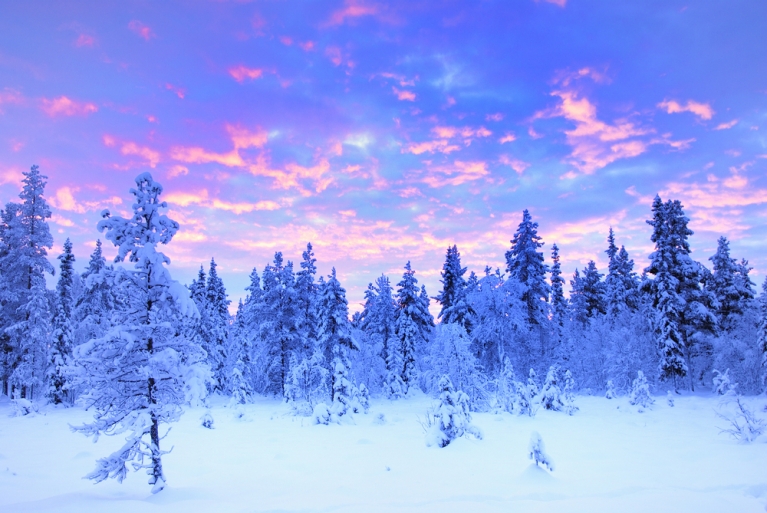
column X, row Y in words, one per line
column 610, row 458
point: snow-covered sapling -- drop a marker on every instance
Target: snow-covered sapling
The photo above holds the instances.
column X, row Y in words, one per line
column 670, row 398
column 537, row 451
column 745, row 427
column 321, row 414
column 363, row 399
column 550, row 393
column 640, row 393
column 722, row 383
column 207, row 420
column 22, row 407
column 610, row 393
column 532, row 384
column 451, row 418
column 568, row 395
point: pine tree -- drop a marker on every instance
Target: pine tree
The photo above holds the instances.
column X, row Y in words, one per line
column 587, row 295
column 378, row 322
column 61, row 346
column 25, row 319
column 414, row 323
column 98, row 300
column 761, row 338
column 524, row 263
column 680, row 303
column 621, row 283
column 334, row 337
column 306, row 295
column 139, row 373
column 215, row 325
column 558, row 301
column 455, row 308
column 729, row 284
column 279, row 333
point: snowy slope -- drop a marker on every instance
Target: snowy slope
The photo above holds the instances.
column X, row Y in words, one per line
column 609, row 458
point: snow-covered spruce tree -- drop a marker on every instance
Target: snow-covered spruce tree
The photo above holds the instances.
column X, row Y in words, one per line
column 451, row 418
column 94, row 307
column 532, row 384
column 334, row 338
column 621, row 282
column 506, row 390
column 62, row 339
column 761, row 339
column 587, row 295
column 682, row 314
column 551, row 394
column 25, row 320
column 237, row 353
column 278, row 327
column 450, row 355
column 377, row 333
column 640, row 393
column 524, row 263
column 306, row 297
column 215, row 326
column 140, row 373
column 308, row 384
column 730, row 286
column 455, row 308
column 558, row 302
column 414, row 324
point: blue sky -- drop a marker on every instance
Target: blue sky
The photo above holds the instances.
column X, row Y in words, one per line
column 384, row 132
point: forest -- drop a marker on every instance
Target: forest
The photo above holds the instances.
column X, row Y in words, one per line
column 127, row 340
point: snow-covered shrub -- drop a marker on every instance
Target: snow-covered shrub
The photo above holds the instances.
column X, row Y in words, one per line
column 745, row 427
column 307, row 384
column 505, row 390
column 363, row 399
column 22, row 407
column 640, row 393
column 207, row 420
column 722, row 383
column 451, row 417
column 394, row 387
column 321, row 414
column 525, row 399
column 550, row 393
column 380, row 419
column 450, row 354
column 532, row 384
column 568, row 395
column 610, row 393
column 343, row 391
column 537, row 451
column 670, row 398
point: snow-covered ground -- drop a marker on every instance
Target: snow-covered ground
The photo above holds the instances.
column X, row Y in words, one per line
column 608, row 458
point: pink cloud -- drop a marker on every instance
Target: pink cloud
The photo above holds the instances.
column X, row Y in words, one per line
column 494, row 117
column 64, row 199
column 307, row 46
column 141, row 30
column 175, row 171
column 517, row 165
column 241, row 138
column 178, row 91
column 726, row 126
column 85, row 40
column 63, row 106
column 404, row 94
column 201, row 198
column 441, row 145
column 131, row 148
column 507, row 138
column 11, row 175
column 595, row 143
column 457, row 174
column 241, row 72
column 702, row 110
column 560, row 3
column 351, row 10
column 286, row 40
column 9, row 96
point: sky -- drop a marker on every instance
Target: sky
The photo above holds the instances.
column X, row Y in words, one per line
column 383, row 132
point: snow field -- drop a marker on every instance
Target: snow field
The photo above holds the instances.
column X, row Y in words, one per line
column 608, row 458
